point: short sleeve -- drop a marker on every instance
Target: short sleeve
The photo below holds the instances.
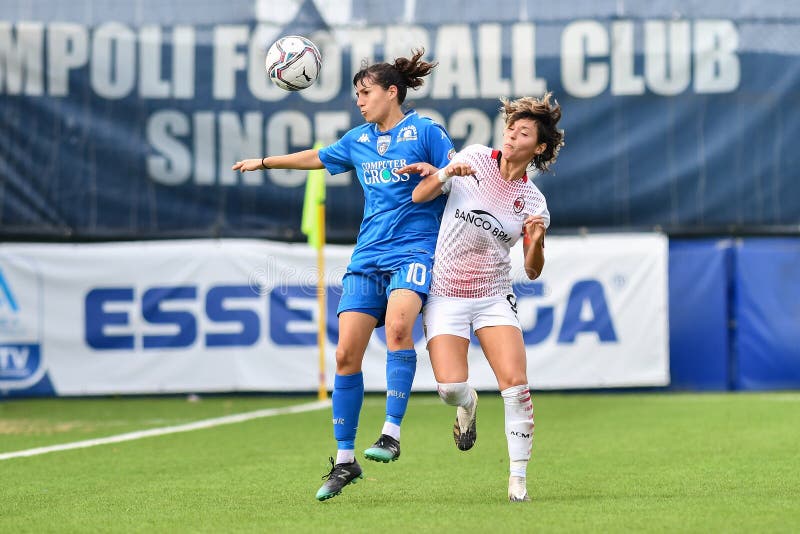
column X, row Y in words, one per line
column 336, row 157
column 546, row 216
column 541, row 209
column 439, row 146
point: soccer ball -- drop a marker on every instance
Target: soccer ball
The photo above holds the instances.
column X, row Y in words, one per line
column 293, row 62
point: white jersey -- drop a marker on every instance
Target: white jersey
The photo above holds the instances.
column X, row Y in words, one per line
column 482, row 221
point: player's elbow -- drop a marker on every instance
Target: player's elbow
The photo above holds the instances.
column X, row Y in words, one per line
column 533, row 271
column 424, row 192
column 417, row 196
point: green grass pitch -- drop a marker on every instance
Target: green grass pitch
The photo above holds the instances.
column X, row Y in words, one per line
column 645, row 462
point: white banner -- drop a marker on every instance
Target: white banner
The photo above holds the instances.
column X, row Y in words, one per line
column 241, row 315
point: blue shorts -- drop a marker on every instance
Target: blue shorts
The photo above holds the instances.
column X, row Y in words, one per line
column 368, row 292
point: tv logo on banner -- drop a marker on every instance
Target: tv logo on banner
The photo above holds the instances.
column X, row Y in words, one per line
column 21, row 362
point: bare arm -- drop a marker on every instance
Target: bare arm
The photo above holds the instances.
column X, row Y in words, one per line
column 533, row 246
column 431, row 185
column 429, row 188
column 304, row 160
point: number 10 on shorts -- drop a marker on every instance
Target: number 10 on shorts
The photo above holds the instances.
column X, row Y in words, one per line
column 417, row 274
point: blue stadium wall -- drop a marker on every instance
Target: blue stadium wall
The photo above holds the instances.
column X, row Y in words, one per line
column 734, row 313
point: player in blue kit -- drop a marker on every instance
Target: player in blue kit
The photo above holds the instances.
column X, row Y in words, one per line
column 388, row 277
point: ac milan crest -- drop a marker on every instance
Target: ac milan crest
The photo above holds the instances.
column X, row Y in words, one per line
column 519, row 205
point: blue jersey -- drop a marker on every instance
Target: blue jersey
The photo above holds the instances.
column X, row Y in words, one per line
column 392, row 226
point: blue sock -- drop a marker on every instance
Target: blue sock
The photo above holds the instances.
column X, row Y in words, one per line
column 348, row 395
column 400, row 368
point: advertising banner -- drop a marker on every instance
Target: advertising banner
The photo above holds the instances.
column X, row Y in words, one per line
column 241, row 315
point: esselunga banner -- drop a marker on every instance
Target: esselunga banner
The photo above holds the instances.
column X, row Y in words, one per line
column 242, row 315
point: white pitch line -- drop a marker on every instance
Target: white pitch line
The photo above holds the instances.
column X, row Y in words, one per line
column 197, row 425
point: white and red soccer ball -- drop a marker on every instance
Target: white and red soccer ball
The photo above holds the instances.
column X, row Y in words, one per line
column 293, row 62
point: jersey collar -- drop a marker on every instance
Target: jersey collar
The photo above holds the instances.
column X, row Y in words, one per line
column 408, row 114
column 497, row 155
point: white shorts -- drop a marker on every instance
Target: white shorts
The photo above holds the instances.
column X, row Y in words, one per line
column 455, row 316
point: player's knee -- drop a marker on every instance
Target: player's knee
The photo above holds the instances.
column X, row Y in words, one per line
column 348, row 361
column 451, row 392
column 398, row 334
column 512, row 380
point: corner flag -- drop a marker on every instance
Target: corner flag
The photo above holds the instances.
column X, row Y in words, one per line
column 312, row 225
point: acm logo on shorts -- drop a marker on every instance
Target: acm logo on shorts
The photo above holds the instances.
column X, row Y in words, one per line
column 21, row 359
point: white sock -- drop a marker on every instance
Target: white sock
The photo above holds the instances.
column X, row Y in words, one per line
column 519, row 427
column 519, row 468
column 391, row 429
column 456, row 394
column 345, row 456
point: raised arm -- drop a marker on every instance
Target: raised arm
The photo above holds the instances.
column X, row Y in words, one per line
column 304, row 160
column 429, row 188
column 434, row 179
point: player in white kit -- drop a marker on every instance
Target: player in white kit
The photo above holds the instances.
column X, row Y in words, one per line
column 491, row 203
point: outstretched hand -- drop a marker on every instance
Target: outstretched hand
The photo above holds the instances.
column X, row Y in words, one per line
column 426, row 169
column 248, row 165
column 458, row 169
column 423, row 169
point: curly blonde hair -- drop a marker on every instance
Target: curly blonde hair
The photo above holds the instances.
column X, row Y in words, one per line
column 546, row 116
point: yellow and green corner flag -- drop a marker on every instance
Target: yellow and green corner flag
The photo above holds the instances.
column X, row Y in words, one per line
column 313, row 223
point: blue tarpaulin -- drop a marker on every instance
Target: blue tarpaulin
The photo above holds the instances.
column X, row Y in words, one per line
column 122, row 119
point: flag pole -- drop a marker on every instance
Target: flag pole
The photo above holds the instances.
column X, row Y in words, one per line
column 313, row 225
column 322, row 392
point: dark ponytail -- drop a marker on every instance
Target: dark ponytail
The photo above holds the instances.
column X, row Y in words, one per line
column 403, row 73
